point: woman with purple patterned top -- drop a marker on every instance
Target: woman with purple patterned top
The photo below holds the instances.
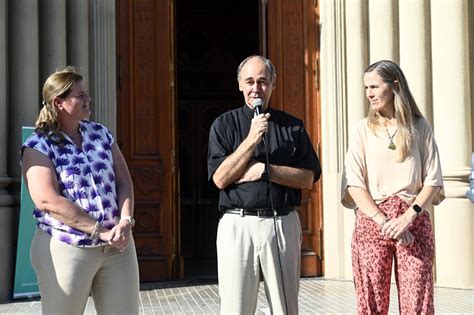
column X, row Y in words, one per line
column 83, row 193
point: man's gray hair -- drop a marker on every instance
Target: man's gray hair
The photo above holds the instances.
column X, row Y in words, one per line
column 268, row 64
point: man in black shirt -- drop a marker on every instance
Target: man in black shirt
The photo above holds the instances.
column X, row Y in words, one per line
column 259, row 225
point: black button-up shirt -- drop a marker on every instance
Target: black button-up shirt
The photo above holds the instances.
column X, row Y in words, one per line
column 288, row 145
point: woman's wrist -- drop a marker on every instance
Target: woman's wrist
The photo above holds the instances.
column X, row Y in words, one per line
column 104, row 233
column 376, row 214
column 128, row 219
column 380, row 219
column 96, row 230
column 411, row 214
column 384, row 220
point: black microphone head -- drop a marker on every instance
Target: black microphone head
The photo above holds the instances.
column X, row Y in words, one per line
column 257, row 105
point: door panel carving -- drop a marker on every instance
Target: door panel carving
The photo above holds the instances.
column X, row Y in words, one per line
column 146, row 128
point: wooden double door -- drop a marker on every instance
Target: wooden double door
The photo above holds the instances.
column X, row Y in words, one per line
column 177, row 64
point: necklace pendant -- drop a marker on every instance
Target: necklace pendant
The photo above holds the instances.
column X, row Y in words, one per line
column 391, row 144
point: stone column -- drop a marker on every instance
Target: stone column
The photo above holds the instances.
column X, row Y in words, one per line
column 415, row 51
column 357, row 47
column 454, row 218
column 103, row 63
column 471, row 63
column 77, row 12
column 52, row 38
column 357, row 43
column 3, row 89
column 333, row 120
column 24, row 98
column 6, row 200
column 383, row 30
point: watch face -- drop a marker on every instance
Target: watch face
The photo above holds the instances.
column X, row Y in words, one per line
column 129, row 219
column 417, row 208
column 132, row 221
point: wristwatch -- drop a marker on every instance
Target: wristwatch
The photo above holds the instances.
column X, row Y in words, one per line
column 128, row 218
column 417, row 209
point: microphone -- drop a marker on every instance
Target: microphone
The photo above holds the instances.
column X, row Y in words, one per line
column 257, row 106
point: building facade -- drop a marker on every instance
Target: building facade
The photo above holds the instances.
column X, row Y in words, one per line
column 433, row 41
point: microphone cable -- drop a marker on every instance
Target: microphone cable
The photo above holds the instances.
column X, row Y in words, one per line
column 267, row 167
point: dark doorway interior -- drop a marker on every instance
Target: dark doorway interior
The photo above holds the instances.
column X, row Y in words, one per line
column 213, row 36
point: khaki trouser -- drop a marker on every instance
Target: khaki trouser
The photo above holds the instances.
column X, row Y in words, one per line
column 67, row 275
column 246, row 242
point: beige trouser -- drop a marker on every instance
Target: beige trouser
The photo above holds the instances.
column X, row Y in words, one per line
column 246, row 242
column 67, row 274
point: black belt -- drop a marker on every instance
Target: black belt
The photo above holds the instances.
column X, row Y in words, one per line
column 264, row 213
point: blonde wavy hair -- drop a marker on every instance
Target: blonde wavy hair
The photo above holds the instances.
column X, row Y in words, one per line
column 406, row 110
column 58, row 84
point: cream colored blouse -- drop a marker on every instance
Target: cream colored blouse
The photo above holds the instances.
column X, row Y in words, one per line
column 371, row 165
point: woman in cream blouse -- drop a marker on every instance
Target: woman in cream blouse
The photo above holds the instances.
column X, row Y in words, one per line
column 392, row 176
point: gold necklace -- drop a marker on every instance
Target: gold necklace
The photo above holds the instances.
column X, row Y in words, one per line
column 391, row 144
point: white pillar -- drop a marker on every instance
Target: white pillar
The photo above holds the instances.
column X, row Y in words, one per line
column 454, row 218
column 471, row 62
column 357, row 43
column 357, row 56
column 77, row 12
column 415, row 51
column 52, row 19
column 383, row 30
column 103, row 80
column 333, row 120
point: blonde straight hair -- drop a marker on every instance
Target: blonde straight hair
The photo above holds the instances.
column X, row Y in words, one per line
column 58, row 84
column 406, row 110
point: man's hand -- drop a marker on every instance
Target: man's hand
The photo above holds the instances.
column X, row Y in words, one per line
column 258, row 127
column 252, row 172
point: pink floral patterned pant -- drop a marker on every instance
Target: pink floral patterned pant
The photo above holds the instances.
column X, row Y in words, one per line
column 372, row 256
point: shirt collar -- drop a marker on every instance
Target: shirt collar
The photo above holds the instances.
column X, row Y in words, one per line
column 249, row 112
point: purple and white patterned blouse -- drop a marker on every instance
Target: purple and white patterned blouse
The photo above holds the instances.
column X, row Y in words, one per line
column 84, row 176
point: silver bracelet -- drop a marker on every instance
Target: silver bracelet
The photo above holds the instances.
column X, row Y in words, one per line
column 385, row 220
column 95, row 231
column 374, row 215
